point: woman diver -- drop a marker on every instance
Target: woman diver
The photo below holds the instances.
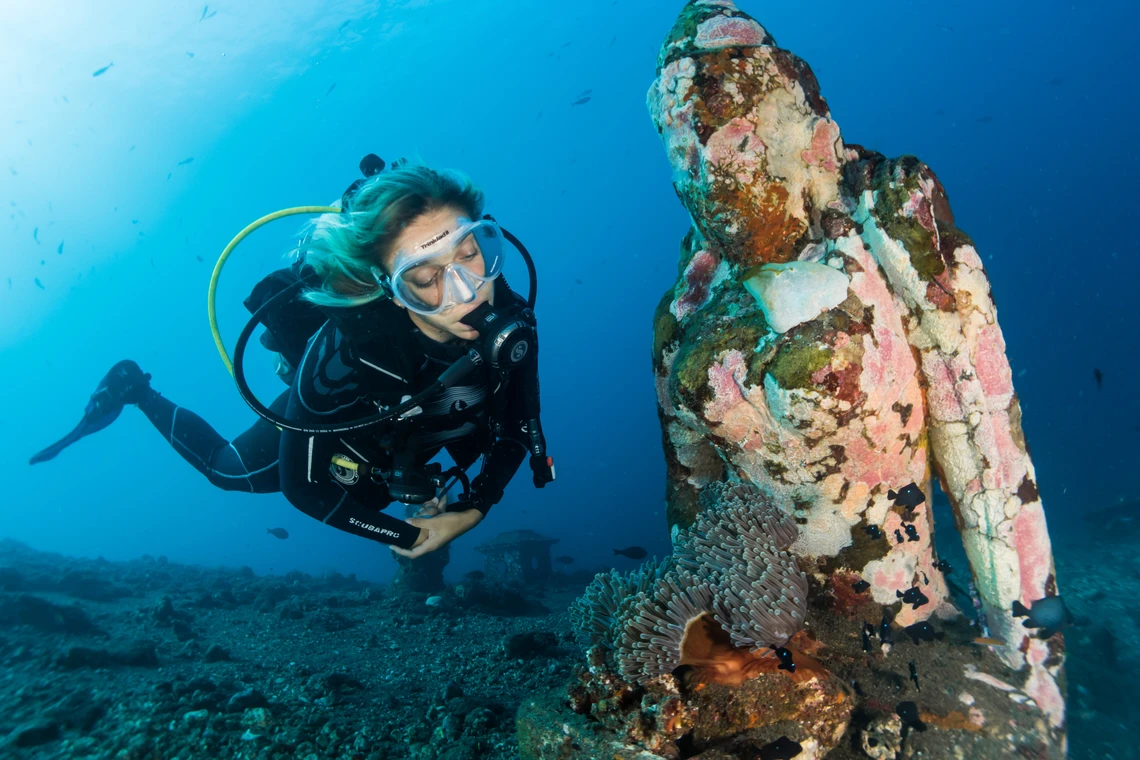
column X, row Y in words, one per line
column 405, row 340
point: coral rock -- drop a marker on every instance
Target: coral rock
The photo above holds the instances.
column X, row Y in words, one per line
column 832, row 336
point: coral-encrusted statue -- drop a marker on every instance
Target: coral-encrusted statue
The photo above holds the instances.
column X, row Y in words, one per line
column 832, row 337
column 830, row 345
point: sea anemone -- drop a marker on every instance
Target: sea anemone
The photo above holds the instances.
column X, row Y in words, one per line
column 657, row 624
column 595, row 614
column 730, row 567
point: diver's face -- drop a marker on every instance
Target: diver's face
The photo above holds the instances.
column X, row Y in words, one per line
column 444, row 326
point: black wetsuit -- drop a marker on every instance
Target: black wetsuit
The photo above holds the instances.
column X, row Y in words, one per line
column 341, row 378
column 346, row 377
column 247, row 463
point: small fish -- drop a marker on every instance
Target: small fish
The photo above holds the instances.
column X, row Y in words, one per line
column 344, row 24
column 944, row 566
column 189, row 54
column 898, row 536
column 169, row 175
column 911, row 531
column 989, row 641
column 39, row 284
column 984, row 119
column 873, row 531
column 577, row 281
column 858, row 689
column 581, row 101
column 923, row 631
column 945, row 27
column 475, row 575
column 633, row 552
column 128, row 151
column 9, row 283
column 868, row 632
column 1048, row 614
column 860, row 586
column 103, row 70
column 185, row 161
column 910, row 496
column 65, row 100
column 1099, row 377
column 564, row 560
column 913, row 596
column 613, row 40
column 278, row 532
column 60, row 249
column 329, row 92
column 784, row 655
column 781, row 749
column 206, row 14
column 36, row 235
column 198, row 257
column 908, row 711
column 885, row 635
column 913, row 674
column 1055, row 82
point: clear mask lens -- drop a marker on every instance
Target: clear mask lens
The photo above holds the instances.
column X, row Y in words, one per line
column 431, row 282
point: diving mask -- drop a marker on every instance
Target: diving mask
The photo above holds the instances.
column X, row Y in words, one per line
column 449, row 268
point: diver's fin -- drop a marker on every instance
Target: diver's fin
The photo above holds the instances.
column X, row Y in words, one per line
column 51, row 452
column 125, row 383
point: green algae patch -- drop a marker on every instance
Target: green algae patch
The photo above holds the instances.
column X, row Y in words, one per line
column 863, row 549
column 679, row 41
column 893, row 183
column 665, row 328
column 706, row 340
column 796, row 362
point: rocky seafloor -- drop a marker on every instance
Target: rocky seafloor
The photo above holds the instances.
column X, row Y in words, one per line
column 151, row 659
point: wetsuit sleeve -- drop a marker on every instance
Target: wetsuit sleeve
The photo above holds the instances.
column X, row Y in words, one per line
column 307, row 482
column 499, row 466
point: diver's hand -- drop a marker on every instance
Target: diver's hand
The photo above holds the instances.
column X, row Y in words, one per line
column 433, row 507
column 439, row 531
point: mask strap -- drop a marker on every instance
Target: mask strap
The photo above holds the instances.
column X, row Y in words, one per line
column 383, row 280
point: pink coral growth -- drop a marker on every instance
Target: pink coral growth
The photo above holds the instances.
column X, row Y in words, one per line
column 724, row 31
column 1034, row 551
column 822, row 150
column 993, row 367
column 725, row 379
column 698, row 276
column 1041, row 685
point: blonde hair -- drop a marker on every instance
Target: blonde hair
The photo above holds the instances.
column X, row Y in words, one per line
column 345, row 249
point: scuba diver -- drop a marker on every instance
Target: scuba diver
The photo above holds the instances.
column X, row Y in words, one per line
column 399, row 337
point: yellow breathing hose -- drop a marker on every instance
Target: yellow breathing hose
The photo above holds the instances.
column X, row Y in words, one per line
column 210, row 299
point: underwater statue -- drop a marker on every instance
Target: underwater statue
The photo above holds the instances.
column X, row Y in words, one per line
column 831, row 344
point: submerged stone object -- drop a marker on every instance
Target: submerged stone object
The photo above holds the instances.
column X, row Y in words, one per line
column 517, row 555
column 826, row 397
column 831, row 340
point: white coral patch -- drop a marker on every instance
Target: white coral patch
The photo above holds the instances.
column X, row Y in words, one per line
column 796, row 292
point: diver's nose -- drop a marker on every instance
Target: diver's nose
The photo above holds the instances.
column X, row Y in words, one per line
column 460, row 288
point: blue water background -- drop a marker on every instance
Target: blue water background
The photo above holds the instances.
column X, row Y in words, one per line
column 1026, row 113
